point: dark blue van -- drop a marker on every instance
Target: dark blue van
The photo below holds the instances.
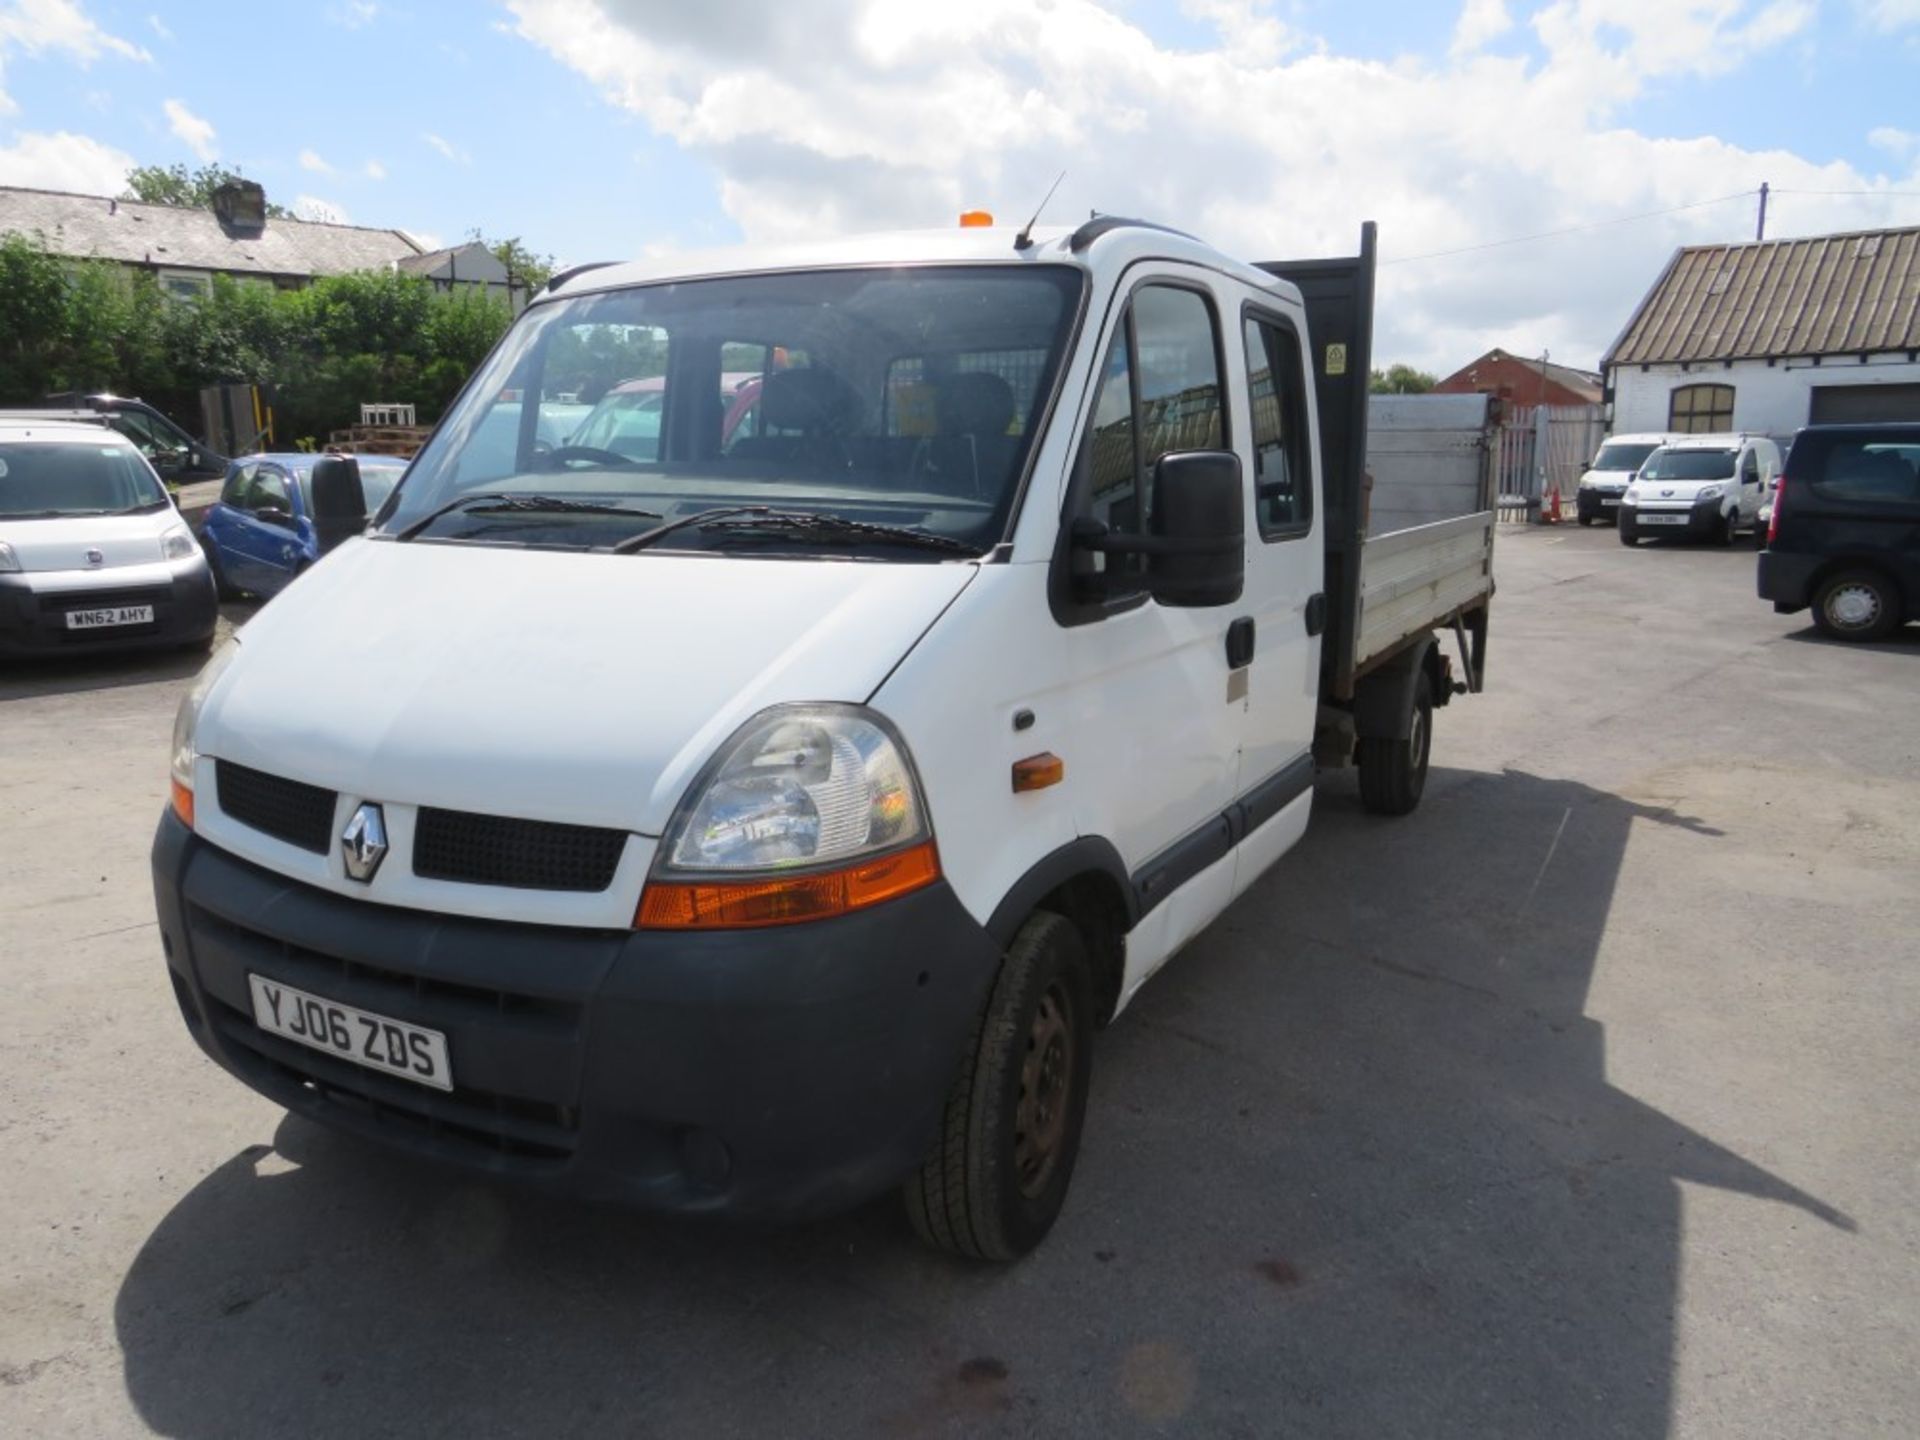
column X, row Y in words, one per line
column 1845, row 533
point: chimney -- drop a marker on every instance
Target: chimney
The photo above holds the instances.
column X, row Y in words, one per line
column 241, row 207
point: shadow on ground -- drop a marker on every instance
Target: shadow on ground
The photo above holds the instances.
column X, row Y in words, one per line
column 1354, row 1168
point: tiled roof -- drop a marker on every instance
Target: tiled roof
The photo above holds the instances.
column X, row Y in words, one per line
column 1824, row 295
column 172, row 235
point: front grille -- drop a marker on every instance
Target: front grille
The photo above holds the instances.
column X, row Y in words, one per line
column 288, row 810
column 63, row 600
column 522, row 854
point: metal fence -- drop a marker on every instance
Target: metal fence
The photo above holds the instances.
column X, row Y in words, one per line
column 1540, row 450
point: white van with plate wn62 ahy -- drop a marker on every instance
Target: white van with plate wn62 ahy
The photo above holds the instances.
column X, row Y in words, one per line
column 763, row 815
column 1705, row 486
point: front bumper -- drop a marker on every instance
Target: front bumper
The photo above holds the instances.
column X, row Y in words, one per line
column 34, row 608
column 1698, row 521
column 776, row 1073
column 1593, row 502
column 1787, row 579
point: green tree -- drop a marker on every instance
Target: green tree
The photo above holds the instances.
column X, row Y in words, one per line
column 1401, row 380
column 526, row 271
column 176, row 185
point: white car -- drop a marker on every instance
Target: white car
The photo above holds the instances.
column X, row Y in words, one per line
column 768, row 815
column 1704, row 486
column 93, row 554
column 1605, row 481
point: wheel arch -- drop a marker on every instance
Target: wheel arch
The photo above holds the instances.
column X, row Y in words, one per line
column 1855, row 560
column 1086, row 882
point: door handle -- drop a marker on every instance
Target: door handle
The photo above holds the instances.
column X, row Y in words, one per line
column 1240, row 643
column 1317, row 612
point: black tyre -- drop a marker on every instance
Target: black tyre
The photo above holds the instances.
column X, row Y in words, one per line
column 997, row 1176
column 1727, row 525
column 1628, row 535
column 1586, row 520
column 1393, row 773
column 1759, row 535
column 221, row 587
column 1856, row 605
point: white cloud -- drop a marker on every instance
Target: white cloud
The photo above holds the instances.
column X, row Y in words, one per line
column 63, row 161
column 1891, row 15
column 1895, row 142
column 865, row 114
column 159, row 27
column 446, row 148
column 38, row 27
column 312, row 207
column 374, row 170
column 1480, row 21
column 354, row 14
column 311, row 160
column 195, row 133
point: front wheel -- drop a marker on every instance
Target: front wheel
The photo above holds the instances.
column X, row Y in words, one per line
column 1856, row 605
column 997, row 1177
column 1628, row 535
column 1727, row 526
column 1393, row 773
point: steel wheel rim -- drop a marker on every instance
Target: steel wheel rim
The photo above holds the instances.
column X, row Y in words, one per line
column 1853, row 607
column 1417, row 740
column 1046, row 1092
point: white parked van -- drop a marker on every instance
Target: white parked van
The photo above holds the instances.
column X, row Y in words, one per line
column 1605, row 481
column 1700, row 485
column 769, row 815
column 93, row 554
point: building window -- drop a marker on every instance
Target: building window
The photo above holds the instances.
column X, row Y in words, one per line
column 1701, row 409
column 186, row 284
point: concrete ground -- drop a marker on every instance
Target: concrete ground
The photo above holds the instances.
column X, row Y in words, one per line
column 1581, row 1103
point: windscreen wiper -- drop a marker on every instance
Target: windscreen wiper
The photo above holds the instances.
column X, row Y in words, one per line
column 808, row 524
column 498, row 502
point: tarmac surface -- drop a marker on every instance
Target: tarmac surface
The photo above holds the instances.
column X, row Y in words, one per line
column 1583, row 1102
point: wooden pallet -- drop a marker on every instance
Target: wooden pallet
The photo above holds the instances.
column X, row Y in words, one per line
column 401, row 440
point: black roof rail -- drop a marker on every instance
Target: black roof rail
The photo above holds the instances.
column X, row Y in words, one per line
column 1100, row 225
column 572, row 272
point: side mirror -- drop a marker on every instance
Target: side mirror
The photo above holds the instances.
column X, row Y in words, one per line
column 1196, row 555
column 339, row 500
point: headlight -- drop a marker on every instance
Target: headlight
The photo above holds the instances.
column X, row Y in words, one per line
column 1709, row 492
column 1632, row 497
column 809, row 811
column 9, row 562
column 178, row 543
column 187, row 719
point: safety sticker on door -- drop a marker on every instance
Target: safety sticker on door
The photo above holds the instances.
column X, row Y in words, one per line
column 1336, row 359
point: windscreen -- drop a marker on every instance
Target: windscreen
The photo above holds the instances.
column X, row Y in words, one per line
column 41, row 481
column 902, row 397
column 1622, row 457
column 1689, row 465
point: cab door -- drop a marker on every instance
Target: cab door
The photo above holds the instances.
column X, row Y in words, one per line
column 1752, row 483
column 264, row 540
column 1284, row 603
column 1152, row 724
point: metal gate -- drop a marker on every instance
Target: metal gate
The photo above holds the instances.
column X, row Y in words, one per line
column 1540, row 450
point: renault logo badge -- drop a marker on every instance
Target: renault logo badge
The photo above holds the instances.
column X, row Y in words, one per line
column 364, row 842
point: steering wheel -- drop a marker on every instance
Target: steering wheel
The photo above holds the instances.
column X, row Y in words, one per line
column 591, row 455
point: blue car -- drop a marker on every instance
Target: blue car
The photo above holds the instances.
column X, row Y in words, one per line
column 259, row 535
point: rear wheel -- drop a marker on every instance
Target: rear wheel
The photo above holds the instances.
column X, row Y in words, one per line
column 1856, row 605
column 1393, row 773
column 998, row 1174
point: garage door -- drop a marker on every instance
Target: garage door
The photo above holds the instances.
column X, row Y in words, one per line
column 1864, row 404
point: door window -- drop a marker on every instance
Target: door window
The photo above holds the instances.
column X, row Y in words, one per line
column 1750, row 469
column 268, row 492
column 1282, row 477
column 235, row 493
column 1159, row 392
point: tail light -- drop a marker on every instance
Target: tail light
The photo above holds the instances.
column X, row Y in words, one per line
column 1773, row 518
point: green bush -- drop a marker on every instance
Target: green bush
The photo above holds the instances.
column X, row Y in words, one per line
column 325, row 350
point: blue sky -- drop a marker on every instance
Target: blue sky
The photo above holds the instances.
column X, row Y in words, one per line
column 601, row 128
